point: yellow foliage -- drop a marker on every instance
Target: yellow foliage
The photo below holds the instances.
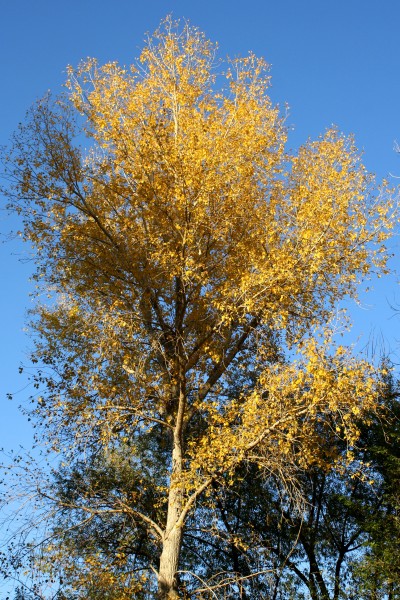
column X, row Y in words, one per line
column 188, row 253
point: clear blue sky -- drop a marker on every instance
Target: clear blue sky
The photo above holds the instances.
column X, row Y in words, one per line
column 332, row 62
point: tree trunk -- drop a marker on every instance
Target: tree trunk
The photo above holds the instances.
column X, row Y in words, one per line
column 337, row 587
column 172, row 539
column 169, row 559
column 315, row 576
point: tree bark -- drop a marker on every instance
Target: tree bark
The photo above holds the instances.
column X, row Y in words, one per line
column 315, row 576
column 338, row 567
column 169, row 559
column 170, row 554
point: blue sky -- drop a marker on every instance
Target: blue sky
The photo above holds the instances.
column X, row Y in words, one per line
column 332, row 62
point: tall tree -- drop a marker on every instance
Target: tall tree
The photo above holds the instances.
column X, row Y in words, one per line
column 187, row 255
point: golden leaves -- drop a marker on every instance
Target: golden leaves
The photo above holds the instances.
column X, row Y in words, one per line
column 192, row 254
column 289, row 418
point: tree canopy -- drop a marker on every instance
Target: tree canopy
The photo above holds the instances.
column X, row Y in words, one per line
column 194, row 267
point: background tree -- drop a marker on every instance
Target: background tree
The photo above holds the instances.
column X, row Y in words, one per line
column 344, row 543
column 377, row 574
column 181, row 247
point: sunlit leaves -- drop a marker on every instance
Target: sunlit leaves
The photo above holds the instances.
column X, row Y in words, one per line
column 193, row 263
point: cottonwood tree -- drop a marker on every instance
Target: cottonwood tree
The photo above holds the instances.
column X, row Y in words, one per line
column 194, row 267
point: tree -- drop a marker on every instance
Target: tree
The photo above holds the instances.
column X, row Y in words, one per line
column 377, row 574
column 344, row 544
column 194, row 268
